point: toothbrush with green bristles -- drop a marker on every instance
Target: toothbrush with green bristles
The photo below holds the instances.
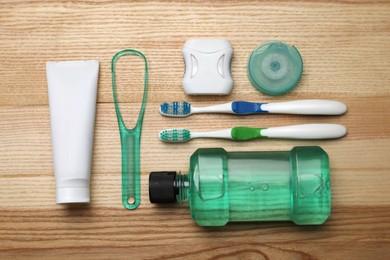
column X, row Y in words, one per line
column 241, row 133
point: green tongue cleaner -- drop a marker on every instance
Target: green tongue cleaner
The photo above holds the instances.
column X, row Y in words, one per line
column 275, row 68
column 130, row 139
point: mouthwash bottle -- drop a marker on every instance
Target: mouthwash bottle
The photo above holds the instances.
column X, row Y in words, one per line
column 223, row 187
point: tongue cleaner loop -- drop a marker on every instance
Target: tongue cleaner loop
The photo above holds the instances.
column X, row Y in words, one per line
column 130, row 139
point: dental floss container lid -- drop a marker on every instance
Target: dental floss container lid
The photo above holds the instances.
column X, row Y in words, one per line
column 207, row 67
column 275, row 68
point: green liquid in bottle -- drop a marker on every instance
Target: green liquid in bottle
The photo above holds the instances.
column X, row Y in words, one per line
column 224, row 187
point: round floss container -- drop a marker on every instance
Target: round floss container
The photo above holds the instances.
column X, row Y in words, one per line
column 275, row 68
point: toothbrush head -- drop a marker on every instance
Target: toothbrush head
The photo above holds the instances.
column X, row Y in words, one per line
column 175, row 109
column 175, row 135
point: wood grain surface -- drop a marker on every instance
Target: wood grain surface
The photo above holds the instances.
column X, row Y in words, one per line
column 346, row 51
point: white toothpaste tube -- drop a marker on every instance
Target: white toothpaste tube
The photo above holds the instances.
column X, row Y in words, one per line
column 72, row 100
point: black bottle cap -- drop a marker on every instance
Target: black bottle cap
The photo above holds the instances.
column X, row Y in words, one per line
column 162, row 187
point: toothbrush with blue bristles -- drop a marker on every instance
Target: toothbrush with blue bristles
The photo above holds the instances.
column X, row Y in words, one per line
column 302, row 107
column 240, row 133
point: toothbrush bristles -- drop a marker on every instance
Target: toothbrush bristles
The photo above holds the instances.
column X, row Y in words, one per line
column 175, row 108
column 175, row 135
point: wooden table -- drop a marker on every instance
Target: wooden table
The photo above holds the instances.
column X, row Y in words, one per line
column 346, row 51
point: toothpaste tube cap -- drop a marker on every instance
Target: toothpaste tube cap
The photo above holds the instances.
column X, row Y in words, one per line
column 72, row 195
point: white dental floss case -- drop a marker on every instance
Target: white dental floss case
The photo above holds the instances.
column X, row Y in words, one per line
column 207, row 67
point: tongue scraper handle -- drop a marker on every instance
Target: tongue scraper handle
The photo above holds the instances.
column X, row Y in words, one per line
column 302, row 107
column 130, row 170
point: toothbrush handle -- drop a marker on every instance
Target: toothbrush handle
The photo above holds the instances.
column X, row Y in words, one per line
column 220, row 108
column 306, row 107
column 307, row 131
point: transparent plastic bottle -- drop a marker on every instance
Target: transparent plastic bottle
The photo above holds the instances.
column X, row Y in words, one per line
column 223, row 187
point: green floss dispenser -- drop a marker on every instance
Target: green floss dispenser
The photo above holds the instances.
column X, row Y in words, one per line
column 223, row 187
column 275, row 68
